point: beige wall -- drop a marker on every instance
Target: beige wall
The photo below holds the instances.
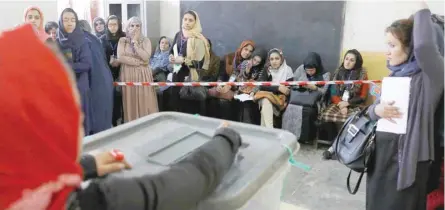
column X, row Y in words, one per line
column 11, row 11
column 170, row 18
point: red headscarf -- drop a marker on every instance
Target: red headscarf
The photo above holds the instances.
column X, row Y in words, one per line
column 41, row 29
column 237, row 56
column 40, row 118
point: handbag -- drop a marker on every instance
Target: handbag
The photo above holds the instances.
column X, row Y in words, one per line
column 195, row 93
column 354, row 145
column 304, row 97
column 228, row 95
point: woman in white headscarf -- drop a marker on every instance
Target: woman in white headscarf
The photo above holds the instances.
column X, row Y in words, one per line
column 133, row 52
column 189, row 54
column 273, row 99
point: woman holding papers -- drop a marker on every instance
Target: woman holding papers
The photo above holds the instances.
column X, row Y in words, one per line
column 398, row 177
column 190, row 55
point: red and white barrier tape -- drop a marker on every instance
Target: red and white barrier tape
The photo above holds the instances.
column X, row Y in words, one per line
column 212, row 84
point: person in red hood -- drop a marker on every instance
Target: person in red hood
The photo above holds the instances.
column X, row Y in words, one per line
column 40, row 159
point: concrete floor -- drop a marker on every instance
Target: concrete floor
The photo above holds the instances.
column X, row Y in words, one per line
column 324, row 187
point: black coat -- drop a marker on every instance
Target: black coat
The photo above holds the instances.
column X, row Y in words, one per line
column 181, row 187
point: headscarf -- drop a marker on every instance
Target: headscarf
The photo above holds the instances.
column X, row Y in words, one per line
column 409, row 67
column 313, row 60
column 159, row 58
column 196, row 33
column 256, row 70
column 40, row 30
column 234, row 60
column 85, row 26
column 212, row 73
column 41, row 118
column 74, row 39
column 130, row 35
column 284, row 72
column 119, row 32
column 356, row 73
column 99, row 34
column 50, row 25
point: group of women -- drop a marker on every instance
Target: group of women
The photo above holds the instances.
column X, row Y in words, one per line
column 99, row 59
column 397, row 179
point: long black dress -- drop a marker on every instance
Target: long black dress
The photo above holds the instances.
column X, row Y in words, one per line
column 110, row 44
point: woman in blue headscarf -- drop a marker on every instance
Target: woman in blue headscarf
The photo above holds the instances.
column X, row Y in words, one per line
column 75, row 48
column 159, row 62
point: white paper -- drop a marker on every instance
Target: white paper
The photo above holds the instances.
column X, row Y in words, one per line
column 395, row 89
column 243, row 97
column 176, row 67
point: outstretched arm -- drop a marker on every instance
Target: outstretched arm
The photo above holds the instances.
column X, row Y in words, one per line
column 180, row 187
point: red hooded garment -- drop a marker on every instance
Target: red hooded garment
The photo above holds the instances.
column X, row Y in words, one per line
column 39, row 118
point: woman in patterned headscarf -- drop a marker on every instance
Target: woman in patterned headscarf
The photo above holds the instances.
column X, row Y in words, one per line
column 230, row 73
column 347, row 99
column 133, row 52
column 159, row 62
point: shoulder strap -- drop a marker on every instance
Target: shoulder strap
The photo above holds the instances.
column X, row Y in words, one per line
column 357, row 186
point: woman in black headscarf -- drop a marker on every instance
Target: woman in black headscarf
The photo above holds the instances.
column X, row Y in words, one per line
column 301, row 113
column 110, row 42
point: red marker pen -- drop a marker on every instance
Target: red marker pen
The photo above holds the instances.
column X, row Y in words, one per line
column 117, row 154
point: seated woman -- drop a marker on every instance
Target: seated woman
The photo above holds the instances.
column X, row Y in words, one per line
column 211, row 75
column 159, row 62
column 53, row 145
column 229, row 72
column 347, row 99
column 250, row 72
column 302, row 112
column 273, row 99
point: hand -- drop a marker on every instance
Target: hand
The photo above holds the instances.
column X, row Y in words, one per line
column 179, row 60
column 137, row 34
column 311, row 87
column 115, row 63
column 219, row 88
column 344, row 111
column 40, row 198
column 343, row 104
column 106, row 163
column 387, row 111
column 171, row 58
column 224, row 124
column 249, row 66
column 283, row 89
column 227, row 88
